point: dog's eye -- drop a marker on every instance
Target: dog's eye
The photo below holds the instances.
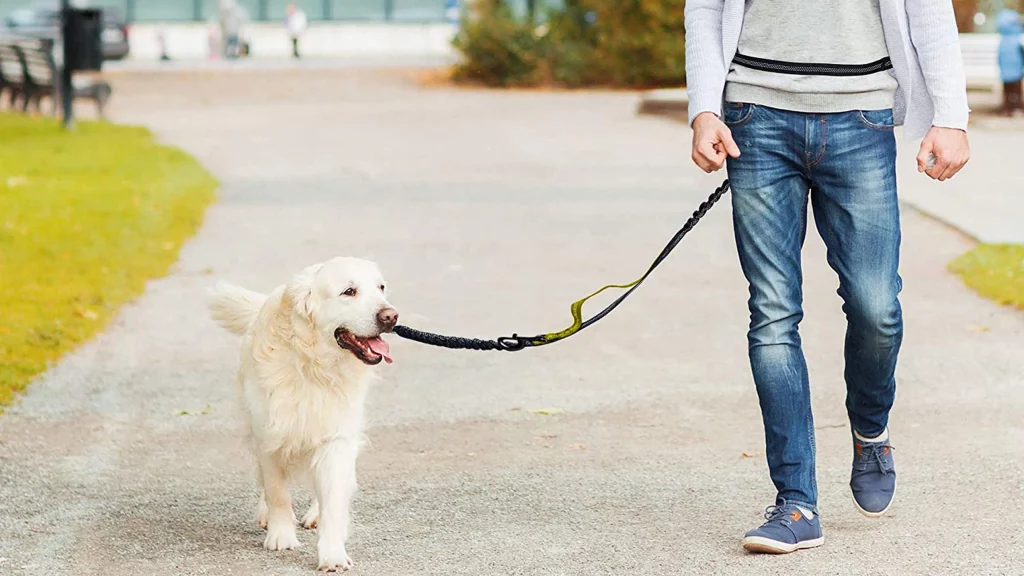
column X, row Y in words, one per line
column 349, row 292
column 381, row 287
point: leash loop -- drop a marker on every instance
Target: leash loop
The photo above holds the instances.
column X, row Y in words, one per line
column 515, row 342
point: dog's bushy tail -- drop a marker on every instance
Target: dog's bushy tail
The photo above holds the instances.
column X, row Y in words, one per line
column 234, row 307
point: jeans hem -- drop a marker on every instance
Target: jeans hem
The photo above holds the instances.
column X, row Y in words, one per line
column 811, row 507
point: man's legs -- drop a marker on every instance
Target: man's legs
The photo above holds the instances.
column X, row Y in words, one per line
column 770, row 219
column 857, row 214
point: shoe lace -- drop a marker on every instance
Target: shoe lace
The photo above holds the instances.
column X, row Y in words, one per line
column 877, row 452
column 779, row 512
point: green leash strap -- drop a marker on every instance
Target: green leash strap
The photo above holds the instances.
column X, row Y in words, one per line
column 516, row 342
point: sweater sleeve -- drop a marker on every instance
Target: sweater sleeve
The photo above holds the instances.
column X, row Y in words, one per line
column 705, row 69
column 935, row 37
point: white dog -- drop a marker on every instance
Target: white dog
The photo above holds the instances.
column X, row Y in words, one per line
column 307, row 352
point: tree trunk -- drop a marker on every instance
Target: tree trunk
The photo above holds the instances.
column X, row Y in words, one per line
column 965, row 11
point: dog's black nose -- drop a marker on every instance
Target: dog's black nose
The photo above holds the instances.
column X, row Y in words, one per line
column 387, row 318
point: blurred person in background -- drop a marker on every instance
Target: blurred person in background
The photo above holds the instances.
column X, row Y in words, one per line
column 801, row 100
column 1011, row 60
column 295, row 22
column 231, row 17
column 215, row 45
column 161, row 38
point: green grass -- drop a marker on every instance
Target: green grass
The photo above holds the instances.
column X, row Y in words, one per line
column 86, row 218
column 995, row 271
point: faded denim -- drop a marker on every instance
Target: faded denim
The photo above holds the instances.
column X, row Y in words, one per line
column 845, row 165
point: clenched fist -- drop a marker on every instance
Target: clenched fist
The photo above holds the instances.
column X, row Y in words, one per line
column 712, row 142
column 949, row 147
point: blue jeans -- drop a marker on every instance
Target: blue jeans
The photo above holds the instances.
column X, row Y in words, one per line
column 845, row 164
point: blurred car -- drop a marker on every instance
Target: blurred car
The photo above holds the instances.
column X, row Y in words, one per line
column 43, row 20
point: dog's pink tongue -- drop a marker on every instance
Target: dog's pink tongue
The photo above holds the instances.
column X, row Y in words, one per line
column 379, row 346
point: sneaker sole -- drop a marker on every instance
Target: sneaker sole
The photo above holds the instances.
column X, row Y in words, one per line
column 761, row 545
column 876, row 514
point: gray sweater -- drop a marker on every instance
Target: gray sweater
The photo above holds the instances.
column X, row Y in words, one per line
column 822, row 56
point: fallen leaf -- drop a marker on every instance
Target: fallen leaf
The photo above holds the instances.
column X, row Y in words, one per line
column 86, row 313
column 752, row 454
column 578, row 447
column 548, row 411
column 978, row 329
column 517, row 409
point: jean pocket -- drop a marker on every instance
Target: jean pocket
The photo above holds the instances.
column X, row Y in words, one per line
column 876, row 119
column 736, row 113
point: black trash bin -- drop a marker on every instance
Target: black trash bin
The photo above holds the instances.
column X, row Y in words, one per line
column 83, row 31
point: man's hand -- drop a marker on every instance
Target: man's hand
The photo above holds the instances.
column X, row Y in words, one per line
column 951, row 151
column 712, row 142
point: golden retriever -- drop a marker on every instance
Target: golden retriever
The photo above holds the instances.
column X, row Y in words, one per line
column 306, row 360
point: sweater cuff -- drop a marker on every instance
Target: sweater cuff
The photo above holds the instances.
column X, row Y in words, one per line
column 958, row 120
column 703, row 101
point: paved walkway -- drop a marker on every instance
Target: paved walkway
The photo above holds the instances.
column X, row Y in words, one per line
column 489, row 212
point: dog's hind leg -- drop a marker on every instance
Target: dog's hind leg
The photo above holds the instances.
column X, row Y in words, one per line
column 262, row 512
column 334, row 478
column 309, row 521
column 280, row 516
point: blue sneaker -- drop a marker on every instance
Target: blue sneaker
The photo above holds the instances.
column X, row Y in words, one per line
column 873, row 480
column 787, row 529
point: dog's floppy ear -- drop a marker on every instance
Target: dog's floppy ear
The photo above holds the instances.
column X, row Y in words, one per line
column 300, row 291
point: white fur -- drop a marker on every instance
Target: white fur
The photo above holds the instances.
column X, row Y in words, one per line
column 303, row 394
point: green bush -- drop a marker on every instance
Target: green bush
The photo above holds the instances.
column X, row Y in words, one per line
column 498, row 49
column 615, row 43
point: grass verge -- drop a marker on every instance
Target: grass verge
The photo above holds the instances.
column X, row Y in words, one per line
column 996, row 271
column 86, row 218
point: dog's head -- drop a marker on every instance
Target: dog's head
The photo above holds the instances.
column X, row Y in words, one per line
column 345, row 300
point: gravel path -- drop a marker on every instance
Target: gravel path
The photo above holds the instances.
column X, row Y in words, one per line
column 489, row 212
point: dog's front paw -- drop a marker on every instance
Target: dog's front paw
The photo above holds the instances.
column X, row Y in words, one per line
column 336, row 565
column 281, row 538
column 334, row 560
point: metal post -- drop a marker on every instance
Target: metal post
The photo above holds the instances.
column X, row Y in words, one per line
column 65, row 69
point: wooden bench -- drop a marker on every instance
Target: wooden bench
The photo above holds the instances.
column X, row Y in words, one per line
column 12, row 79
column 29, row 72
